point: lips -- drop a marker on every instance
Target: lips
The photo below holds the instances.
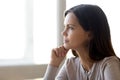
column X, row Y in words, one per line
column 65, row 41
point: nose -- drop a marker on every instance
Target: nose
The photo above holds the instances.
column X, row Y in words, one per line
column 64, row 33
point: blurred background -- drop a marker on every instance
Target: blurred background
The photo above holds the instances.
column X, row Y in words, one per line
column 29, row 29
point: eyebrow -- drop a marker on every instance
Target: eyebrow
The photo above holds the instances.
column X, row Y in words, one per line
column 70, row 24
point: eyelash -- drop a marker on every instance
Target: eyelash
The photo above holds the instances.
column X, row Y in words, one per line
column 70, row 28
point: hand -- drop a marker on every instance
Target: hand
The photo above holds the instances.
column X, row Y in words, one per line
column 57, row 56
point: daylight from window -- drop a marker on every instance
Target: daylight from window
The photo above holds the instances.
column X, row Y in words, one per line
column 28, row 28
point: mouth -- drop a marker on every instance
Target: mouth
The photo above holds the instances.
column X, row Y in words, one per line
column 65, row 41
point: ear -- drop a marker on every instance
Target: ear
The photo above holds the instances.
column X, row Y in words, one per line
column 90, row 35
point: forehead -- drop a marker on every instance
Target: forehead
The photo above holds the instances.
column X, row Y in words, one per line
column 70, row 19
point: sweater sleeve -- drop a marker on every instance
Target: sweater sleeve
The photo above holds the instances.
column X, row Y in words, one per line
column 112, row 70
column 50, row 73
column 62, row 74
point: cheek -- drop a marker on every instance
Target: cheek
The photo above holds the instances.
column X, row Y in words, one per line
column 77, row 39
column 74, row 38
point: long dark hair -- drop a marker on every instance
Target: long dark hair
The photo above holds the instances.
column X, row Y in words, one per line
column 93, row 19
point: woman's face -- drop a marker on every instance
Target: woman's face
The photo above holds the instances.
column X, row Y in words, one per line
column 74, row 37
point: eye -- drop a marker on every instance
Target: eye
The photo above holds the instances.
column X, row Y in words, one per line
column 71, row 27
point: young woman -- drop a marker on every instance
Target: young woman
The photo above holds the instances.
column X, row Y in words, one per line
column 87, row 34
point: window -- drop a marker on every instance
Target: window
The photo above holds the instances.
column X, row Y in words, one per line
column 112, row 12
column 44, row 30
column 12, row 29
column 28, row 31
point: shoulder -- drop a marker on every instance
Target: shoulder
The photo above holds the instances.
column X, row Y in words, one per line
column 109, row 61
column 110, row 68
column 72, row 62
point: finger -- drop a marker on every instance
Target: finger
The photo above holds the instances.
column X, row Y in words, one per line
column 65, row 49
column 63, row 52
column 53, row 52
column 60, row 51
column 57, row 52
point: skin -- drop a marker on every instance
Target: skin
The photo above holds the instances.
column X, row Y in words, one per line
column 75, row 38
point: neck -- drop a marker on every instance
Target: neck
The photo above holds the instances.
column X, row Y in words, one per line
column 85, row 60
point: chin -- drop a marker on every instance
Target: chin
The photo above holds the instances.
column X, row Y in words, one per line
column 66, row 46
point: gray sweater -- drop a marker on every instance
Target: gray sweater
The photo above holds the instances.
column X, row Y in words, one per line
column 106, row 69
